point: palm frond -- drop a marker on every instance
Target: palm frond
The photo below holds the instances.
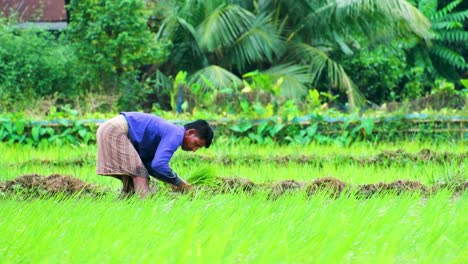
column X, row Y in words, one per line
column 292, row 78
column 319, row 63
column 388, row 15
column 161, row 81
column 213, row 78
column 453, row 36
column 446, row 25
column 260, row 42
column 167, row 12
column 428, row 7
column 447, row 9
column 314, row 58
column 223, row 26
column 339, row 78
column 449, row 56
column 457, row 16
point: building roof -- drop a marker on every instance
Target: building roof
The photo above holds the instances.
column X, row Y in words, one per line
column 35, row 10
column 49, row 14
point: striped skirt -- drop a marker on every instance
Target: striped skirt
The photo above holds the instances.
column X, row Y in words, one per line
column 116, row 154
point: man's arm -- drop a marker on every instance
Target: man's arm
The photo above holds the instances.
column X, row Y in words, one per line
column 182, row 186
column 160, row 164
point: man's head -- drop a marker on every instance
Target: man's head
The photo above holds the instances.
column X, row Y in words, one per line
column 197, row 134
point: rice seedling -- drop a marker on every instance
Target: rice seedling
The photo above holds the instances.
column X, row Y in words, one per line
column 303, row 226
column 203, row 175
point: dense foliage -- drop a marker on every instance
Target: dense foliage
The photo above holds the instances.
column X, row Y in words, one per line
column 112, row 40
column 234, row 56
column 33, row 64
column 446, row 53
column 302, row 131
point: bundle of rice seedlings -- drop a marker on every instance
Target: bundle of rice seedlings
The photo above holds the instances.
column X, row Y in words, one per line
column 203, row 175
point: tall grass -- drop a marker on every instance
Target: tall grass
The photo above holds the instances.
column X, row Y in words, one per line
column 236, row 229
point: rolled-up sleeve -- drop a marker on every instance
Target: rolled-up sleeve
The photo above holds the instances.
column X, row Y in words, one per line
column 160, row 164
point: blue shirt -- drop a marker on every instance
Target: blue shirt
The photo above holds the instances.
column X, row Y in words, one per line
column 155, row 140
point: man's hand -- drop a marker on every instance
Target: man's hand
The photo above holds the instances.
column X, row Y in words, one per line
column 183, row 186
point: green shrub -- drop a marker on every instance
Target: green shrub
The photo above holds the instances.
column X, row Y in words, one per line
column 33, row 64
column 113, row 42
column 377, row 73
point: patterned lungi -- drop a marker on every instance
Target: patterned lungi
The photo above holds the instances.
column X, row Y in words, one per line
column 116, row 154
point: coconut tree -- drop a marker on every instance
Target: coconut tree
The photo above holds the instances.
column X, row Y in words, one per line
column 297, row 41
column 206, row 33
column 320, row 32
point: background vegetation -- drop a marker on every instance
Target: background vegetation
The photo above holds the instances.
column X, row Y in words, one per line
column 234, row 56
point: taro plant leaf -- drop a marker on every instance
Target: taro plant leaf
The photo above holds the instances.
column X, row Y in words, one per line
column 35, row 132
column 53, row 138
column 344, row 140
column 71, row 139
column 19, row 127
column 276, row 129
column 30, row 141
column 83, row 132
column 58, row 141
column 256, row 138
column 261, row 128
column 50, row 131
column 42, row 131
column 323, row 139
column 63, row 122
column 368, row 125
column 312, row 129
column 241, row 127
column 8, row 127
column 301, row 139
column 356, row 130
column 21, row 138
column 3, row 133
column 92, row 126
column 66, row 132
column 351, row 119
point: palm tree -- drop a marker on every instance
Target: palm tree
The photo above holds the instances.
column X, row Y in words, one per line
column 297, row 41
column 441, row 55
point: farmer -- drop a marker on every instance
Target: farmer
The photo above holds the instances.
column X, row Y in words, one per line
column 134, row 145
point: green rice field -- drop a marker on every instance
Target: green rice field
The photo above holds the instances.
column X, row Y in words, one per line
column 243, row 226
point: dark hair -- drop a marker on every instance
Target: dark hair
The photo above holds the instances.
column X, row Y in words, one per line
column 203, row 129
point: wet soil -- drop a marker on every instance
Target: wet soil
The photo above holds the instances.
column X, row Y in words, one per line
column 457, row 187
column 385, row 157
column 228, row 184
column 72, row 162
column 34, row 185
column 396, row 187
column 286, row 186
column 331, row 185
